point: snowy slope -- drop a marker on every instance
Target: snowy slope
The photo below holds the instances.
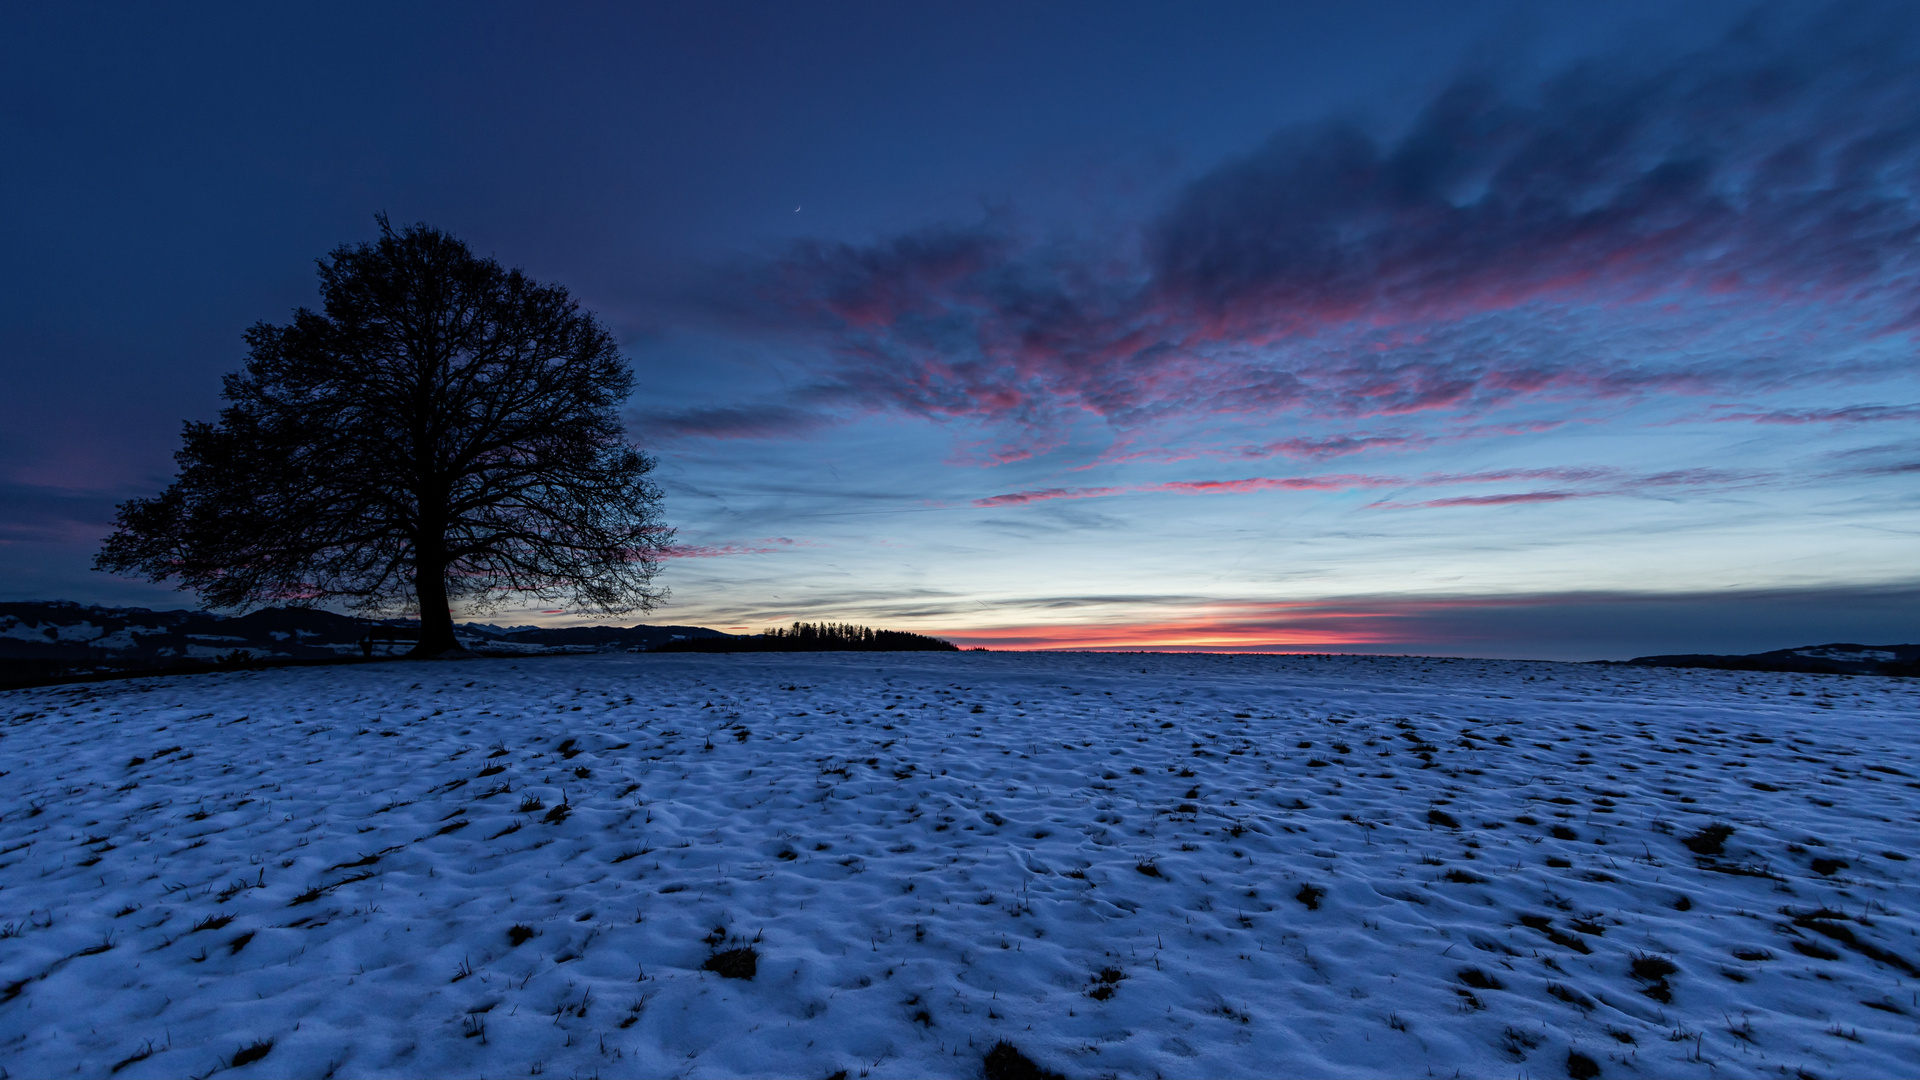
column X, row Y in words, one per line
column 1126, row 865
column 41, row 640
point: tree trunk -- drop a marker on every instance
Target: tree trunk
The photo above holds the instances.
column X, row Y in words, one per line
column 436, row 618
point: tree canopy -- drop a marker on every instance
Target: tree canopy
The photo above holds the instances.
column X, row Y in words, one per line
column 443, row 430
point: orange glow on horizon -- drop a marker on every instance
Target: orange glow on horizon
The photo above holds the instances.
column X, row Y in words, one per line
column 1326, row 625
column 1181, row 634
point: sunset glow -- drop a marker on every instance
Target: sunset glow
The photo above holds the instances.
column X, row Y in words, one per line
column 1284, row 334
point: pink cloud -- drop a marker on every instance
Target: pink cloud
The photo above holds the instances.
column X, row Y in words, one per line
column 1614, row 233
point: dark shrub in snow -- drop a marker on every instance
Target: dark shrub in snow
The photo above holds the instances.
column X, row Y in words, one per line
column 1006, row 1062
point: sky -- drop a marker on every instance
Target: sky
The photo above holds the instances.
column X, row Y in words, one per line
column 1559, row 331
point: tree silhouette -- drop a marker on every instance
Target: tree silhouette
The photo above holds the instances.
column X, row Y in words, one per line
column 446, row 429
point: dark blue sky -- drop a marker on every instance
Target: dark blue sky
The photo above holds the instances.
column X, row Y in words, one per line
column 1101, row 324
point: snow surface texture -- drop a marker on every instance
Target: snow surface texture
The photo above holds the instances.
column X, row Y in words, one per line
column 1131, row 865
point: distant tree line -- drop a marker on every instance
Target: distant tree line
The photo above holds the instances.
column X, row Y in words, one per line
column 814, row 637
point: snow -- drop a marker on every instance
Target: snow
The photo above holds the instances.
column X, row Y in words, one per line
column 81, row 632
column 1828, row 652
column 11, row 627
column 932, row 852
column 125, row 638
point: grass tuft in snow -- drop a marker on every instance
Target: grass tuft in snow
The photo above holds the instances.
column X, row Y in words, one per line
column 1006, row 1062
column 251, row 1053
column 1710, row 840
column 740, row 963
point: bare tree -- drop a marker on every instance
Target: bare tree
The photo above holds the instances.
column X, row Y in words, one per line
column 446, row 430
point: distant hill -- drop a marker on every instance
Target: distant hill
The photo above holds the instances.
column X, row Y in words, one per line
column 54, row 639
column 1834, row 659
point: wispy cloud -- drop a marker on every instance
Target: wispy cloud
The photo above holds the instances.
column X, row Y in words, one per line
column 1022, row 498
column 1609, row 481
column 42, row 514
column 1512, row 499
column 1851, row 414
column 1311, row 448
column 1899, row 468
column 767, row 546
column 1729, row 221
column 729, row 422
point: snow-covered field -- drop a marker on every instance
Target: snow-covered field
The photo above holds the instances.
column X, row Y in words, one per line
column 1127, row 865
